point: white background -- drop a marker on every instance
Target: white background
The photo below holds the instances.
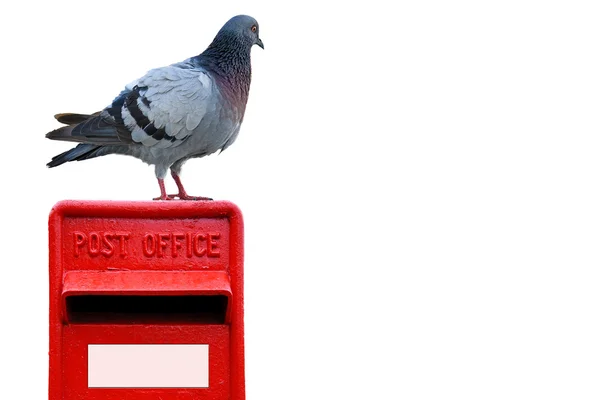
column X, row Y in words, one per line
column 419, row 184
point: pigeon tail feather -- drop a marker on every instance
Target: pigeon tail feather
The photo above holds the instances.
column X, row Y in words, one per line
column 64, row 134
column 92, row 129
column 83, row 151
column 73, row 118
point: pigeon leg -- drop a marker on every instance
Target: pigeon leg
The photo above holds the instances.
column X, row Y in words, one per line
column 182, row 193
column 163, row 192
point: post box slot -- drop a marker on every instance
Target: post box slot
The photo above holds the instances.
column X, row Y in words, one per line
column 132, row 309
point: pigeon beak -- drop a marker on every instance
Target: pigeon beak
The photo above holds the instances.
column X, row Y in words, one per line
column 260, row 43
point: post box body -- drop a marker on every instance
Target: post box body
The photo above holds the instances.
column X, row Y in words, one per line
column 146, row 301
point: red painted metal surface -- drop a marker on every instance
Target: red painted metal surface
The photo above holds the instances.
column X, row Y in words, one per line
column 116, row 266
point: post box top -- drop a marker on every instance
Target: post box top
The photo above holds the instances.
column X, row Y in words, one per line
column 146, row 209
column 155, row 235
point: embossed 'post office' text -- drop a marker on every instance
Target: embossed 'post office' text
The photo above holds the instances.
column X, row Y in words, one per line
column 151, row 244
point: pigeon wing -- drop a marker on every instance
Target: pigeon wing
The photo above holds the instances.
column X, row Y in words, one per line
column 166, row 106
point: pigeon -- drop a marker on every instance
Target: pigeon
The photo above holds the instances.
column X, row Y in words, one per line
column 185, row 110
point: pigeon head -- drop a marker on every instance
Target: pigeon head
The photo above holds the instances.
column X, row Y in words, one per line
column 241, row 29
column 227, row 58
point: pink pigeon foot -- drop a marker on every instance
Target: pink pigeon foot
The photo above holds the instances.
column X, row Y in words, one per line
column 182, row 195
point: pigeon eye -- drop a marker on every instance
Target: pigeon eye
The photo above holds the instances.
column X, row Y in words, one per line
column 253, row 28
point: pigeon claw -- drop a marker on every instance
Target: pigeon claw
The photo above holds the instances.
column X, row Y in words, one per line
column 185, row 196
column 167, row 197
column 182, row 197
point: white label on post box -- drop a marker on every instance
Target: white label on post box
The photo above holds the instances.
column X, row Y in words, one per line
column 148, row 365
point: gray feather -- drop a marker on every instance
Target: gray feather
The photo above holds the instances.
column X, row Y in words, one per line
column 81, row 152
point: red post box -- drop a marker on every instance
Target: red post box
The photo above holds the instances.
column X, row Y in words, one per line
column 146, row 301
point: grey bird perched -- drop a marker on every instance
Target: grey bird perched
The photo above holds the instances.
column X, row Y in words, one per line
column 186, row 110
